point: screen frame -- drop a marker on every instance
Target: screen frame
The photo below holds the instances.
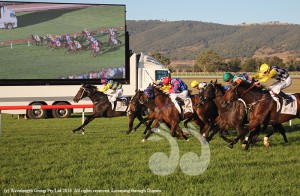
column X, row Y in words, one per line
column 37, row 82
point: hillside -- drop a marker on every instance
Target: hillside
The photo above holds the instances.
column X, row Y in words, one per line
column 182, row 40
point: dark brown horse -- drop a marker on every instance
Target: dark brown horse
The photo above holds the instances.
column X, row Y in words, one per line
column 101, row 105
column 135, row 110
column 165, row 110
column 231, row 116
column 263, row 109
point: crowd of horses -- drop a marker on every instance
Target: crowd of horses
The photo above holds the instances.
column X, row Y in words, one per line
column 86, row 40
column 246, row 108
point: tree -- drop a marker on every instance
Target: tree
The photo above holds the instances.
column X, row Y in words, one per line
column 251, row 65
column 162, row 59
column 208, row 61
column 234, row 65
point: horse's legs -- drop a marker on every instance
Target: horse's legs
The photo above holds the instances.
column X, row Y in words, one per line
column 184, row 135
column 281, row 130
column 148, row 128
column 87, row 121
column 131, row 118
column 156, row 124
column 251, row 135
column 142, row 121
column 235, row 140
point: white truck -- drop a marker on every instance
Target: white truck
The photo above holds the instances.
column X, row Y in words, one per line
column 8, row 19
column 143, row 70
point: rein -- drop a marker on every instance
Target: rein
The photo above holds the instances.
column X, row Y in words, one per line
column 248, row 89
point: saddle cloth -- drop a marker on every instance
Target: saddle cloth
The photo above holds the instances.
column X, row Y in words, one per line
column 121, row 105
column 291, row 108
column 187, row 107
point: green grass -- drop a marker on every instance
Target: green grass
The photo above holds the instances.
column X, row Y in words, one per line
column 39, row 62
column 44, row 154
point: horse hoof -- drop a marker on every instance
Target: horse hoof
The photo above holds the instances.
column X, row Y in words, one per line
column 230, row 146
column 266, row 144
column 187, row 140
column 73, row 131
column 143, row 140
column 82, row 133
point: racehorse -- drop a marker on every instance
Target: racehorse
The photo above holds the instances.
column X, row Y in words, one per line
column 135, row 110
column 113, row 38
column 263, row 110
column 231, row 116
column 102, row 107
column 38, row 40
column 165, row 110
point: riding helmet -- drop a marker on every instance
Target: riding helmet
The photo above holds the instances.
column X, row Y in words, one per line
column 166, row 80
column 227, row 76
column 264, row 68
column 194, row 83
column 104, row 80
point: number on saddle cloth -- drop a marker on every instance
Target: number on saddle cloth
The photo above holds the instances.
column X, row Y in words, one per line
column 185, row 104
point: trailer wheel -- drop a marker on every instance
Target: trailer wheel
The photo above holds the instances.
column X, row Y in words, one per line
column 61, row 112
column 9, row 26
column 37, row 113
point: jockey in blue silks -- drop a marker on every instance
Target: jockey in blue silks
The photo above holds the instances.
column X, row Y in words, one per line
column 179, row 89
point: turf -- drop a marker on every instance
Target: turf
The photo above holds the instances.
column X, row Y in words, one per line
column 39, row 155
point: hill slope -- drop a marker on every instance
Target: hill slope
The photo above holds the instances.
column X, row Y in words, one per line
column 182, row 40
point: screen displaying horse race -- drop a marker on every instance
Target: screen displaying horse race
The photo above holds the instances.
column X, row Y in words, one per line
column 61, row 43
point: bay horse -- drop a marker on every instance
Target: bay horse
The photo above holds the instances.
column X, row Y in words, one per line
column 135, row 110
column 102, row 107
column 231, row 116
column 263, row 110
column 165, row 111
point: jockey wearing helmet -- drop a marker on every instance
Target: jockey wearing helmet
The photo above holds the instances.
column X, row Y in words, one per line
column 163, row 87
column 116, row 88
column 198, row 85
column 228, row 79
column 179, row 89
column 283, row 78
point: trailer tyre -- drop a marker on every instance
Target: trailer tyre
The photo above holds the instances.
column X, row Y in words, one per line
column 61, row 112
column 37, row 113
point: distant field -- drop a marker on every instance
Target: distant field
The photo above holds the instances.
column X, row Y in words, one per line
column 24, row 61
column 45, row 155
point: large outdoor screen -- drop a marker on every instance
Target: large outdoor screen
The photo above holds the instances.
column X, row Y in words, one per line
column 62, row 43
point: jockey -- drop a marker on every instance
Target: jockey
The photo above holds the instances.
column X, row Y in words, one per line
column 77, row 44
column 179, row 89
column 198, row 85
column 283, row 78
column 164, row 88
column 116, row 87
column 228, row 79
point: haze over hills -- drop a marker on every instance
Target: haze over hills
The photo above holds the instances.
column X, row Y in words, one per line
column 183, row 40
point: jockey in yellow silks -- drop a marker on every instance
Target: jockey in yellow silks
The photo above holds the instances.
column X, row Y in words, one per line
column 283, row 78
column 115, row 86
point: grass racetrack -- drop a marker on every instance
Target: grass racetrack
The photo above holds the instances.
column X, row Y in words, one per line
column 44, row 156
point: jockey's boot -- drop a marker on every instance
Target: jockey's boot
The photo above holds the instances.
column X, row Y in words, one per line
column 288, row 98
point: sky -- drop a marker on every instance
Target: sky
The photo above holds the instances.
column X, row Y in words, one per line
column 229, row 12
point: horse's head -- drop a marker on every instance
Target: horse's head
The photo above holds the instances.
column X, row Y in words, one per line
column 85, row 91
column 147, row 95
column 230, row 95
column 207, row 94
column 134, row 103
